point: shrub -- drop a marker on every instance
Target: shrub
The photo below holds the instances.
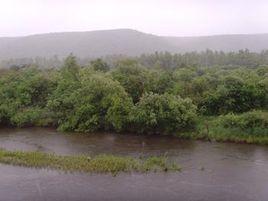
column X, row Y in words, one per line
column 94, row 102
column 246, row 120
column 27, row 117
column 99, row 65
column 21, row 92
column 234, row 95
column 133, row 78
column 163, row 113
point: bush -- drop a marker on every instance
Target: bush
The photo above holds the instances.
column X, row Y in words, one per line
column 21, row 92
column 27, row 117
column 245, row 121
column 234, row 95
column 133, row 78
column 93, row 102
column 163, row 113
column 99, row 65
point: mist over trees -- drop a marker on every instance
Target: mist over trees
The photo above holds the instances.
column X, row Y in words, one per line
column 160, row 60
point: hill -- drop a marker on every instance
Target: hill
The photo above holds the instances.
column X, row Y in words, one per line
column 121, row 41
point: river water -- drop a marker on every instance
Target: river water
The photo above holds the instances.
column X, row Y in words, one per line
column 210, row 171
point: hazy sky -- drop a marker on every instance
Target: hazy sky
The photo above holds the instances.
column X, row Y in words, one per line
column 161, row 17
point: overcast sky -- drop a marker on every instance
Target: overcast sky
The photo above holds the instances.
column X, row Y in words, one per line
column 161, row 17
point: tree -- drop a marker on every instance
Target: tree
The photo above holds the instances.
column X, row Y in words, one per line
column 163, row 113
column 133, row 78
column 70, row 68
column 160, row 81
column 99, row 65
column 95, row 103
column 23, row 97
column 233, row 95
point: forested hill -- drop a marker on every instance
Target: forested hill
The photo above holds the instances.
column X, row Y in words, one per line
column 226, row 43
column 122, row 41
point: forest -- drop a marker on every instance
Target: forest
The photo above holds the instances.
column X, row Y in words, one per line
column 209, row 95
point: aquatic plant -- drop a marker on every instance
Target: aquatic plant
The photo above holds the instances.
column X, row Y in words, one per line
column 83, row 163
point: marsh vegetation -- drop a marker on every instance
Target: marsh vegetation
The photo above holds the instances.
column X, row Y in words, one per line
column 84, row 163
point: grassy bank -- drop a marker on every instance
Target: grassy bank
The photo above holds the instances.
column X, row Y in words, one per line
column 82, row 163
column 250, row 127
column 225, row 135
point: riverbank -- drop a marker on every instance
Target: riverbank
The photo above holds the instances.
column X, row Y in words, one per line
column 250, row 127
column 224, row 135
column 206, row 130
column 101, row 152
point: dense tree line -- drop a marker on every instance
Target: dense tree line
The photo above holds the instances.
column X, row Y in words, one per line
column 206, row 58
column 163, row 60
column 129, row 96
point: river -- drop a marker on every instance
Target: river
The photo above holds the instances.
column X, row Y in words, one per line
column 210, row 171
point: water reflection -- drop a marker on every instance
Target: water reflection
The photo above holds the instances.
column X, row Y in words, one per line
column 49, row 140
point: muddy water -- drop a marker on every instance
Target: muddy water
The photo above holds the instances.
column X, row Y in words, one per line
column 211, row 171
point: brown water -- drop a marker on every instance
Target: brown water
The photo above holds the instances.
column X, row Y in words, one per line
column 211, row 171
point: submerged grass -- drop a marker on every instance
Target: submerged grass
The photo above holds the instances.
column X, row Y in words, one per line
column 97, row 164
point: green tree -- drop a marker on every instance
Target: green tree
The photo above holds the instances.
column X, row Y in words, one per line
column 233, row 95
column 70, row 68
column 96, row 102
column 22, row 91
column 99, row 65
column 133, row 78
column 163, row 113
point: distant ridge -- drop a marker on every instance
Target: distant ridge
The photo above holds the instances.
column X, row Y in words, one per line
column 121, row 41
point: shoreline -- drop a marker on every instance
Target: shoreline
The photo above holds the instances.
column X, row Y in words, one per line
column 199, row 134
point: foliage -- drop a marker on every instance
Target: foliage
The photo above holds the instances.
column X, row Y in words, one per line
column 94, row 102
column 155, row 96
column 28, row 117
column 163, row 113
column 234, row 95
column 208, row 58
column 245, row 121
column 22, row 94
column 70, row 68
column 132, row 77
column 99, row 65
column 248, row 127
column 160, row 81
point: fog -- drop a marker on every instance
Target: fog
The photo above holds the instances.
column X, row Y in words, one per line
column 161, row 17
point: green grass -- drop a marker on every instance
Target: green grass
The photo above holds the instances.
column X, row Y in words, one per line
column 214, row 128
column 238, row 136
column 225, row 135
column 82, row 163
